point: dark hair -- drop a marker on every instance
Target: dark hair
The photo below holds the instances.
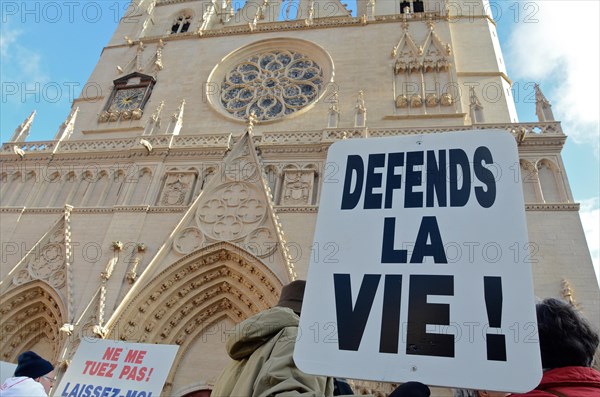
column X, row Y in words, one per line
column 566, row 337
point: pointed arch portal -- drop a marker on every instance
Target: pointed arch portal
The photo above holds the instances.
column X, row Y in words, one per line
column 31, row 315
column 219, row 284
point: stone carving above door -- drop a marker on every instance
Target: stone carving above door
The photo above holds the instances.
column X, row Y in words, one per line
column 233, row 210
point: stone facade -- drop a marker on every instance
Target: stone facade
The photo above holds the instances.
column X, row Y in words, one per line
column 179, row 199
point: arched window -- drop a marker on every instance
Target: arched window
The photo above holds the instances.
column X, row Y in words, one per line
column 182, row 23
column 66, row 189
column 83, row 185
column 51, row 188
column 272, row 176
column 529, row 178
column 16, row 185
column 3, row 186
column 138, row 196
column 116, row 189
column 28, row 188
column 548, row 177
column 99, row 189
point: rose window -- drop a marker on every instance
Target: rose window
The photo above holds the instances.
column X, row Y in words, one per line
column 271, row 85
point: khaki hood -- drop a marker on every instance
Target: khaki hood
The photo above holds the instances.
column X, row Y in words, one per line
column 252, row 333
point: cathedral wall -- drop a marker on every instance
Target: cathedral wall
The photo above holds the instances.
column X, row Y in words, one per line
column 189, row 62
column 493, row 93
column 473, row 55
column 20, row 233
column 299, row 231
column 561, row 253
column 164, row 17
column 95, row 234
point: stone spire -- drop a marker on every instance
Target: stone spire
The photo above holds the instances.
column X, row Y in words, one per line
column 22, row 131
column 360, row 111
column 66, row 129
column 176, row 120
column 543, row 108
column 475, row 107
column 333, row 118
column 154, row 120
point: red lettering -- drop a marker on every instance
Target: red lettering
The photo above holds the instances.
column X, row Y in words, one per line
column 141, row 355
column 109, row 373
column 141, row 374
column 135, row 356
column 112, row 353
column 87, row 366
column 125, row 371
column 132, row 374
column 102, row 369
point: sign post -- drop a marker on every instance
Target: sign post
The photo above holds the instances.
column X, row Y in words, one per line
column 430, row 279
column 110, row 368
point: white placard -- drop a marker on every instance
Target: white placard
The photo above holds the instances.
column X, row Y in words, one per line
column 109, row 368
column 7, row 370
column 421, row 269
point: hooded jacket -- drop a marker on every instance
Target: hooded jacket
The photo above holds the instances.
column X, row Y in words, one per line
column 22, row 386
column 567, row 382
column 262, row 348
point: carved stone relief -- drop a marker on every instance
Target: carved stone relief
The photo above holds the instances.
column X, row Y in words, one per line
column 232, row 211
column 177, row 188
column 189, row 240
column 31, row 314
column 271, row 84
column 46, row 263
column 424, row 67
column 262, row 242
column 297, row 187
column 184, row 302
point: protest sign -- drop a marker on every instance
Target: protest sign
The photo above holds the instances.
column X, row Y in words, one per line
column 7, row 370
column 109, row 368
column 430, row 279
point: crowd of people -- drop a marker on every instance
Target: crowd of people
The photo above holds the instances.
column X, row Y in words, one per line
column 262, row 359
column 262, row 362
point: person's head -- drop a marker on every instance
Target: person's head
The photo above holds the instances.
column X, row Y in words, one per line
column 31, row 365
column 566, row 338
column 411, row 389
column 478, row 393
column 292, row 295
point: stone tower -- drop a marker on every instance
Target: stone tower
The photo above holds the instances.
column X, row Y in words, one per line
column 181, row 192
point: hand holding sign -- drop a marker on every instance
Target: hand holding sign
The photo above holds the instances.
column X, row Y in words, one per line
column 399, row 298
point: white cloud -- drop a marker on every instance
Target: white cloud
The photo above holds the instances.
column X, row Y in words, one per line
column 7, row 39
column 558, row 45
column 20, row 64
column 590, row 218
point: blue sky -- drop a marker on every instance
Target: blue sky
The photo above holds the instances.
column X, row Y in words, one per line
column 48, row 50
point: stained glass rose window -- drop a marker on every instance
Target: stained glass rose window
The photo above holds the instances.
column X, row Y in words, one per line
column 272, row 79
column 271, row 84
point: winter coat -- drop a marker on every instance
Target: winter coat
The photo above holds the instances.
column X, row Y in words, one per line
column 567, row 382
column 262, row 348
column 22, row 386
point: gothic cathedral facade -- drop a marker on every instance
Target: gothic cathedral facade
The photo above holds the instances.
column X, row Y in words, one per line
column 181, row 193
